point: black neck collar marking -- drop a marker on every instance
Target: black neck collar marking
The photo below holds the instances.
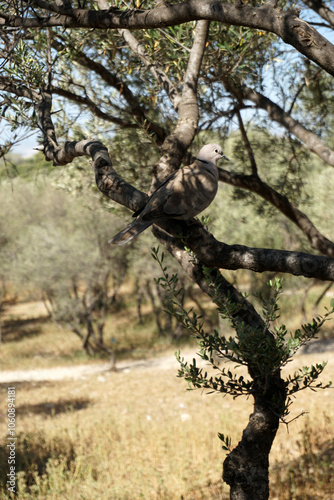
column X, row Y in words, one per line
column 203, row 161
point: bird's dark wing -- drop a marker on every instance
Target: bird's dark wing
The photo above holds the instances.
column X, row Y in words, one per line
column 139, row 211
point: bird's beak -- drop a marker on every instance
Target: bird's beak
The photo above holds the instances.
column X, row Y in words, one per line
column 225, row 157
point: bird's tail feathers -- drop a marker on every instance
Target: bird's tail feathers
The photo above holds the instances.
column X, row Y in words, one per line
column 130, row 231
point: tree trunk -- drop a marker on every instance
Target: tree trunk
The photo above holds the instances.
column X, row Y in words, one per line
column 139, row 295
column 246, row 468
column 156, row 309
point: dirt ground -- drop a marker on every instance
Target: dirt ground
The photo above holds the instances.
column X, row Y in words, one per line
column 31, row 310
column 82, row 371
column 162, row 363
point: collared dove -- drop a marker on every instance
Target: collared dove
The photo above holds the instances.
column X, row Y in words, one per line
column 183, row 195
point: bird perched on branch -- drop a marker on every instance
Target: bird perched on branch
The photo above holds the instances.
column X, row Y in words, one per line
column 183, row 195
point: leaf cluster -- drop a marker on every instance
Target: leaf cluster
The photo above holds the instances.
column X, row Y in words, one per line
column 264, row 354
column 25, row 65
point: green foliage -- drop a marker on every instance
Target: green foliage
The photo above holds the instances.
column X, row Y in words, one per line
column 226, row 440
column 263, row 354
column 25, row 68
column 239, row 216
column 240, row 50
column 26, row 65
column 53, row 248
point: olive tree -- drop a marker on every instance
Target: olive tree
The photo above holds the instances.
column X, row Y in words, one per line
column 53, row 250
column 154, row 78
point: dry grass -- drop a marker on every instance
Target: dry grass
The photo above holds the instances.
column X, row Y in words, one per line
column 40, row 344
column 140, row 434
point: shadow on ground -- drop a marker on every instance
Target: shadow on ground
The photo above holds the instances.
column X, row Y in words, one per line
column 14, row 330
column 33, row 455
column 34, row 451
column 308, row 477
column 53, row 408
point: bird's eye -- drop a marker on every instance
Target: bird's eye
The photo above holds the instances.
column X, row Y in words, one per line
column 216, row 151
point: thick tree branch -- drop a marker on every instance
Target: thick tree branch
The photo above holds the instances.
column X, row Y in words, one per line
column 185, row 103
column 254, row 184
column 177, row 143
column 194, row 270
column 107, row 180
column 215, row 254
column 187, row 124
column 276, row 113
column 19, row 89
column 191, row 76
column 286, row 24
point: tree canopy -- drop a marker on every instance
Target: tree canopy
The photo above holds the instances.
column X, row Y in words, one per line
column 138, row 86
column 152, row 76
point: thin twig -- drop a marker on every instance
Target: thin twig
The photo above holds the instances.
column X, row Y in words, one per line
column 247, row 143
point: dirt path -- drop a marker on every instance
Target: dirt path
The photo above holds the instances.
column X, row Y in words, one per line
column 159, row 363
column 82, row 371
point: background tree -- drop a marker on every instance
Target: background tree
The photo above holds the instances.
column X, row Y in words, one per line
column 53, row 250
column 157, row 77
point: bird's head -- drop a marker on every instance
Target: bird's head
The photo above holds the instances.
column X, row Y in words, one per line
column 211, row 153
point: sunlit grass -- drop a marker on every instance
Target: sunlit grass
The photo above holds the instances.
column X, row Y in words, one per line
column 140, row 434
